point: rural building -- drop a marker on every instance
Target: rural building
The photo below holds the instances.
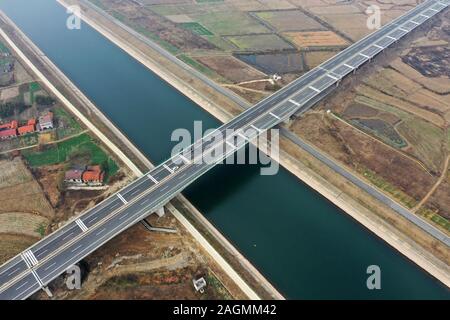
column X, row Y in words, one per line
column 94, row 177
column 26, row 129
column 8, row 134
column 90, row 175
column 74, row 176
column 10, row 125
column 46, row 122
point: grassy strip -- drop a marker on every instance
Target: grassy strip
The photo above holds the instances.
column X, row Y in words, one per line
column 66, row 151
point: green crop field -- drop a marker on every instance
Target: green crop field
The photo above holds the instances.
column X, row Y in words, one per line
column 61, row 152
column 33, row 87
column 196, row 28
column 260, row 42
column 229, row 23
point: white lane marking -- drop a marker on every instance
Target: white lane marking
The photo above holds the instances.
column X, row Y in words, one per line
column 22, row 285
column 257, row 129
column 100, row 232
column 434, row 10
column 94, row 218
column 81, row 225
column 365, row 56
column 425, row 16
column 134, row 192
column 151, row 178
column 14, row 271
column 186, row 160
column 349, row 66
column 37, row 278
column 275, row 116
column 145, row 201
column 41, row 253
column 167, row 168
column 122, row 198
column 379, row 46
column 164, row 188
column 67, row 236
column 76, row 248
column 115, row 206
column 392, row 38
column 332, row 77
column 123, row 216
column 404, row 30
column 295, row 102
column 230, row 144
column 315, row 89
column 48, row 267
column 416, row 23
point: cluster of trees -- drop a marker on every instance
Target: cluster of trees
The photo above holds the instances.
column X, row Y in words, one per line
column 8, row 109
column 44, row 100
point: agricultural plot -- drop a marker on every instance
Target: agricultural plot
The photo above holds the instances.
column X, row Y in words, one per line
column 309, row 39
column 230, row 68
column 289, row 20
column 19, row 192
column 382, row 130
column 272, row 63
column 260, row 43
column 230, row 23
column 196, row 28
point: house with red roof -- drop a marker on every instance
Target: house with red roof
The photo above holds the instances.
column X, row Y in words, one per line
column 8, row 134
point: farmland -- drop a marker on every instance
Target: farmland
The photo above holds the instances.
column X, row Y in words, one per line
column 391, row 125
column 287, row 38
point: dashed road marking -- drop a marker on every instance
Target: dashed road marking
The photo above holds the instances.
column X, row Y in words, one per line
column 364, row 55
column 332, row 77
column 380, row 47
column 186, row 160
column 275, row 116
column 257, row 129
column 151, row 178
column 315, row 89
column 349, row 66
column 167, row 168
column 295, row 103
column 230, row 144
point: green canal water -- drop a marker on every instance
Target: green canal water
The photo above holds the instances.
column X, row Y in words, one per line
column 302, row 243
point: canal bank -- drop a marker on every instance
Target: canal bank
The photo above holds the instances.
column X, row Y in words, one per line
column 308, row 251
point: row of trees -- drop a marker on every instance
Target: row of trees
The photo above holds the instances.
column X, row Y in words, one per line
column 7, row 109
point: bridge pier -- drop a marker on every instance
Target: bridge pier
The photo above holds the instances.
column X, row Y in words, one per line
column 160, row 212
column 47, row 291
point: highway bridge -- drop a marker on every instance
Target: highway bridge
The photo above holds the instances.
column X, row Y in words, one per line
column 34, row 268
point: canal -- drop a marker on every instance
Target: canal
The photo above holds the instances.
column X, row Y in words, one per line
column 307, row 247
